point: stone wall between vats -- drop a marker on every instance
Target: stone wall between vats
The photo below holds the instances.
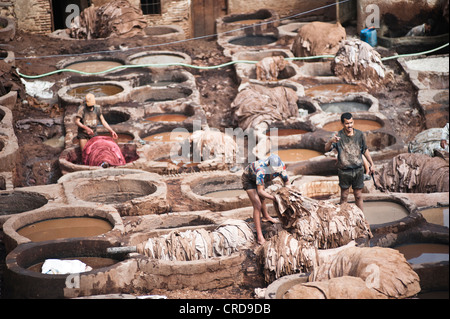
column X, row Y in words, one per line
column 35, row 16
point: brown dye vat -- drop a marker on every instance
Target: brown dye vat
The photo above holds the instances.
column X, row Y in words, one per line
column 254, row 40
column 436, row 215
column 99, row 90
column 380, row 212
column 362, row 125
column 122, row 138
column 424, row 253
column 159, row 59
column 167, row 118
column 93, row 262
column 332, row 90
column 70, row 227
column 297, row 154
column 286, row 132
column 168, row 137
column 93, row 66
column 226, row 193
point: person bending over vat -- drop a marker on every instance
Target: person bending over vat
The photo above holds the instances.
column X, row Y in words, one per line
column 88, row 116
column 421, row 30
column 255, row 176
column 351, row 146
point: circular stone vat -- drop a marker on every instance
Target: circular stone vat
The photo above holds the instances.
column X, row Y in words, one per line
column 94, row 66
column 67, row 227
column 360, row 124
column 426, row 249
column 115, row 117
column 257, row 22
column 436, row 215
column 337, row 89
column 288, row 155
column 167, row 118
column 130, row 195
column 106, row 92
column 279, row 287
column 61, row 222
column 16, row 202
column 99, row 90
column 384, row 211
column 70, row 160
column 172, row 32
column 23, row 278
column 217, row 192
column 159, row 57
column 253, row 40
column 377, row 141
column 424, row 253
column 172, row 136
column 341, row 107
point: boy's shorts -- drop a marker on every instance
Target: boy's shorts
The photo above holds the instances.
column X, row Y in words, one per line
column 247, row 182
column 353, row 177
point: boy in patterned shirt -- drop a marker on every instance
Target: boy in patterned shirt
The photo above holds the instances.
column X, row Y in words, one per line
column 256, row 175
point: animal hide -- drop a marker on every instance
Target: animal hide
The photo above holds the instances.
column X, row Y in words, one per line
column 413, row 173
column 384, row 270
column 269, row 68
column 257, row 104
column 199, row 244
column 356, row 62
column 322, row 223
column 318, row 38
column 102, row 149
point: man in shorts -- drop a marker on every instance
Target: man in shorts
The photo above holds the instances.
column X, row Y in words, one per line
column 351, row 146
column 255, row 176
column 89, row 115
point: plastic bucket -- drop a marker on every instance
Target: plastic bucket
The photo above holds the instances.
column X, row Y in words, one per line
column 369, row 35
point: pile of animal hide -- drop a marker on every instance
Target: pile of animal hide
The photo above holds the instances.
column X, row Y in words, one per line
column 318, row 38
column 213, row 145
column 115, row 18
column 269, row 68
column 346, row 287
column 256, row 104
column 197, row 244
column 322, row 223
column 413, row 173
column 308, row 225
column 356, row 62
column 102, row 150
column 426, row 142
column 384, row 270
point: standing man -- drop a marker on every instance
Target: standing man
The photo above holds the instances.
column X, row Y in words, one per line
column 254, row 178
column 87, row 118
column 351, row 146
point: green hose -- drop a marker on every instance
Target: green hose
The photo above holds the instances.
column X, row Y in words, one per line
column 209, row 67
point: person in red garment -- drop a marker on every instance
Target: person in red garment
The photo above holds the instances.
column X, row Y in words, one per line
column 102, row 151
column 88, row 117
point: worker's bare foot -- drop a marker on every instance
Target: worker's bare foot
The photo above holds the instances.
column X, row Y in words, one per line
column 270, row 220
column 261, row 241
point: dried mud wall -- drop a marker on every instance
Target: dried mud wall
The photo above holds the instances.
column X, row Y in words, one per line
column 282, row 7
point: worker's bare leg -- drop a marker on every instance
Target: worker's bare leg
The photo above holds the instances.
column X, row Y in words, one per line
column 265, row 213
column 358, row 197
column 82, row 143
column 254, row 198
column 344, row 195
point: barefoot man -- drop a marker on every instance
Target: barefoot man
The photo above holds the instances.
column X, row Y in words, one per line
column 351, row 145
